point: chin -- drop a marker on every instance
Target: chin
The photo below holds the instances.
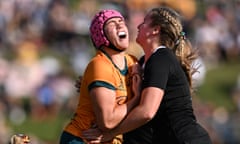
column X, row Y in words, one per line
column 137, row 39
column 124, row 48
column 138, row 42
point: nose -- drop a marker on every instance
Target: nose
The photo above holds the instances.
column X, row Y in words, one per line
column 120, row 24
column 138, row 27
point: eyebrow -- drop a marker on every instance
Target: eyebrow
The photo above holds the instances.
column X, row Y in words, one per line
column 114, row 20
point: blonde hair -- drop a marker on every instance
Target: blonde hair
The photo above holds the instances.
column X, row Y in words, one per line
column 173, row 37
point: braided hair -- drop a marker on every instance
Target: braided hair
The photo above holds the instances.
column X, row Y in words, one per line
column 173, row 37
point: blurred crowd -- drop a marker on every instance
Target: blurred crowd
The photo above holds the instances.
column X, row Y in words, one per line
column 45, row 46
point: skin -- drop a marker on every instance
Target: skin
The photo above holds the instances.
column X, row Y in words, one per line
column 151, row 97
column 107, row 114
column 112, row 28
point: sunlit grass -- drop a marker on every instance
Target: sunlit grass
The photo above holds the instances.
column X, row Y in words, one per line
column 219, row 83
column 48, row 130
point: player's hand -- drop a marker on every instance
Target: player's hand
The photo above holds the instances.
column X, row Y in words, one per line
column 95, row 135
column 136, row 84
column 136, row 69
column 136, row 79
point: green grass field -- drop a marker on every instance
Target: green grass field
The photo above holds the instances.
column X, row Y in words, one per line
column 48, row 130
column 219, row 84
column 217, row 89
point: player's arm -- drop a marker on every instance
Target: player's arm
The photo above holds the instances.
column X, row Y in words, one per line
column 141, row 114
column 108, row 115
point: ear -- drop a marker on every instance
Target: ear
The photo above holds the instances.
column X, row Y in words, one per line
column 156, row 30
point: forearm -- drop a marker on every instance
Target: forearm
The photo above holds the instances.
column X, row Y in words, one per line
column 108, row 114
column 132, row 121
column 135, row 119
column 144, row 112
column 101, row 134
column 118, row 114
column 124, row 109
column 140, row 115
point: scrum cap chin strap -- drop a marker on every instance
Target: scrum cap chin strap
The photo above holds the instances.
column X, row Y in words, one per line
column 114, row 48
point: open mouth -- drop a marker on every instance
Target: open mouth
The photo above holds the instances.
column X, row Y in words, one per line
column 122, row 34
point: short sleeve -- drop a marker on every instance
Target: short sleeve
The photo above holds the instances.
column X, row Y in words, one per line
column 101, row 73
column 156, row 72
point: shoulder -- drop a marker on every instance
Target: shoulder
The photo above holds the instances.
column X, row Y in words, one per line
column 100, row 60
column 164, row 54
column 99, row 64
column 131, row 57
column 162, row 57
column 99, row 69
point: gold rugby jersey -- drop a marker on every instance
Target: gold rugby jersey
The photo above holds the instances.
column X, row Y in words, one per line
column 101, row 71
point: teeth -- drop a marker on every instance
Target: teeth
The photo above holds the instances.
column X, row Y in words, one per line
column 122, row 34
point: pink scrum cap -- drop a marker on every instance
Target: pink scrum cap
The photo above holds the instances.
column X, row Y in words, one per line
column 96, row 29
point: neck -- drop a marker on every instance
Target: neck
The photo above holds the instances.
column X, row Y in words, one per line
column 116, row 57
column 149, row 50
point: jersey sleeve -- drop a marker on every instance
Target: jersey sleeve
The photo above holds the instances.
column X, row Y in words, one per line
column 99, row 73
column 156, row 72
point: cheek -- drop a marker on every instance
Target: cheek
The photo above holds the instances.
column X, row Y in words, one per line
column 140, row 35
column 109, row 34
column 138, row 39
